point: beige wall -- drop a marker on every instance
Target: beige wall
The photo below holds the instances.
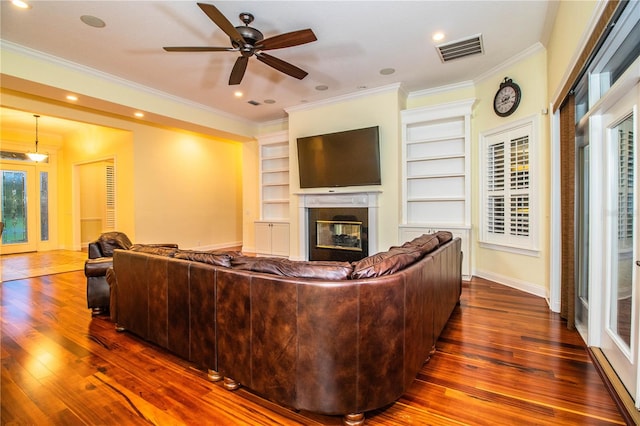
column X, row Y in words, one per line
column 250, row 193
column 570, row 29
column 188, row 188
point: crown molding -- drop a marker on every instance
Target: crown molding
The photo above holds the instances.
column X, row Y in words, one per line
column 531, row 50
column 441, row 89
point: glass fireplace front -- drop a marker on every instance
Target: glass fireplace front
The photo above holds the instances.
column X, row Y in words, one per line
column 339, row 235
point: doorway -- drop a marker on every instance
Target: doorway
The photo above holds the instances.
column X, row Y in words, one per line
column 94, row 191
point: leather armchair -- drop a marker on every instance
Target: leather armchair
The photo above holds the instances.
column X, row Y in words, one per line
column 100, row 259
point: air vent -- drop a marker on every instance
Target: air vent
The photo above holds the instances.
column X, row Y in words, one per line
column 460, row 48
column 254, row 103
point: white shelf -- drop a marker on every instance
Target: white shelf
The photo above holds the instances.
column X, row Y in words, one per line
column 435, row 199
column 436, row 139
column 434, row 157
column 444, row 175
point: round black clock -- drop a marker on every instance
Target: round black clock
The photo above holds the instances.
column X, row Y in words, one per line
column 507, row 98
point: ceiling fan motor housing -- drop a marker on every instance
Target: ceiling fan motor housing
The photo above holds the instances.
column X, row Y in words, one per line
column 249, row 34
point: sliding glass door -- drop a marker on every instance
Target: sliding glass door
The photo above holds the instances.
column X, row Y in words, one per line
column 619, row 327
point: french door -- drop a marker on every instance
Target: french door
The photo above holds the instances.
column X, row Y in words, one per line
column 619, row 293
column 19, row 208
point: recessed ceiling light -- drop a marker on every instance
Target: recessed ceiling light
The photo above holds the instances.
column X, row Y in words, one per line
column 72, row 98
column 387, row 71
column 269, row 101
column 237, row 94
column 439, row 36
column 93, row 21
column 322, row 87
column 138, row 114
column 21, row 4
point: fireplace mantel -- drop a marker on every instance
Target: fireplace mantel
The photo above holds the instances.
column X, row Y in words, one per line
column 364, row 199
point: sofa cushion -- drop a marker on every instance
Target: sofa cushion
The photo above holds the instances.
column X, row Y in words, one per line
column 328, row 270
column 425, row 242
column 444, row 236
column 386, row 263
column 153, row 249
column 212, row 258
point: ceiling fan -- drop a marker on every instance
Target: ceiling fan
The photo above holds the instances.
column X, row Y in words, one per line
column 250, row 42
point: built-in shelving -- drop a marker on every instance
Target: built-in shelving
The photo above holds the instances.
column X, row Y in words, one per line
column 436, row 192
column 274, row 176
column 272, row 230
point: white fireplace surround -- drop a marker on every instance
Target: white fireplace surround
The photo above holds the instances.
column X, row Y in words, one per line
column 368, row 200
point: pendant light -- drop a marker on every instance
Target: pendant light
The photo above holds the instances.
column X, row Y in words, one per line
column 37, row 156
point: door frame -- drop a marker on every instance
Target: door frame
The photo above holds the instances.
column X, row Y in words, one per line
column 628, row 85
column 76, row 197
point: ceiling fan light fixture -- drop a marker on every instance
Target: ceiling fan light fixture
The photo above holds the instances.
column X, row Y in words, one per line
column 37, row 156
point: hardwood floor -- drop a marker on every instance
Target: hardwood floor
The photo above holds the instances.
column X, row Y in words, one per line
column 26, row 265
column 503, row 359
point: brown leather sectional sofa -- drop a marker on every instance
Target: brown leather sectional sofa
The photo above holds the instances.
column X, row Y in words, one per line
column 335, row 338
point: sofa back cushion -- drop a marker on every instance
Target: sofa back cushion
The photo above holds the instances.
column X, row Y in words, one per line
column 153, row 249
column 328, row 270
column 387, row 262
column 426, row 243
column 212, row 258
column 444, row 236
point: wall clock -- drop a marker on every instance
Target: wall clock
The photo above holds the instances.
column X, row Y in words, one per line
column 507, row 98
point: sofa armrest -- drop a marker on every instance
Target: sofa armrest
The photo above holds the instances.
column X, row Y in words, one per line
column 94, row 250
column 97, row 267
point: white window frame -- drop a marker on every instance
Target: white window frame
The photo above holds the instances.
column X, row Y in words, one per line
column 506, row 241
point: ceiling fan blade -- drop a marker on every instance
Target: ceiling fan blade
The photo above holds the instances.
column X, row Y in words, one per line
column 293, row 38
column 238, row 70
column 281, row 65
column 221, row 21
column 199, row 49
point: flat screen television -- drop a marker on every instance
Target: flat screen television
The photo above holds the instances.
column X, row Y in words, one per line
column 347, row 158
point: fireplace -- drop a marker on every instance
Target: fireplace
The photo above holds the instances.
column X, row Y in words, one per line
column 338, row 233
column 338, row 225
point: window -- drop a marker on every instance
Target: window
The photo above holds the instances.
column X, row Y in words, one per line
column 110, row 223
column 44, row 206
column 508, row 201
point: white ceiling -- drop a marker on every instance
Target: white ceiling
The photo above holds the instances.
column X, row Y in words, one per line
column 356, row 39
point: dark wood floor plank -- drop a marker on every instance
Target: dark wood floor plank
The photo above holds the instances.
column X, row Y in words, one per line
column 503, row 358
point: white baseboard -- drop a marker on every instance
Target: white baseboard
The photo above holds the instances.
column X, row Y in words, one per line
column 525, row 286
